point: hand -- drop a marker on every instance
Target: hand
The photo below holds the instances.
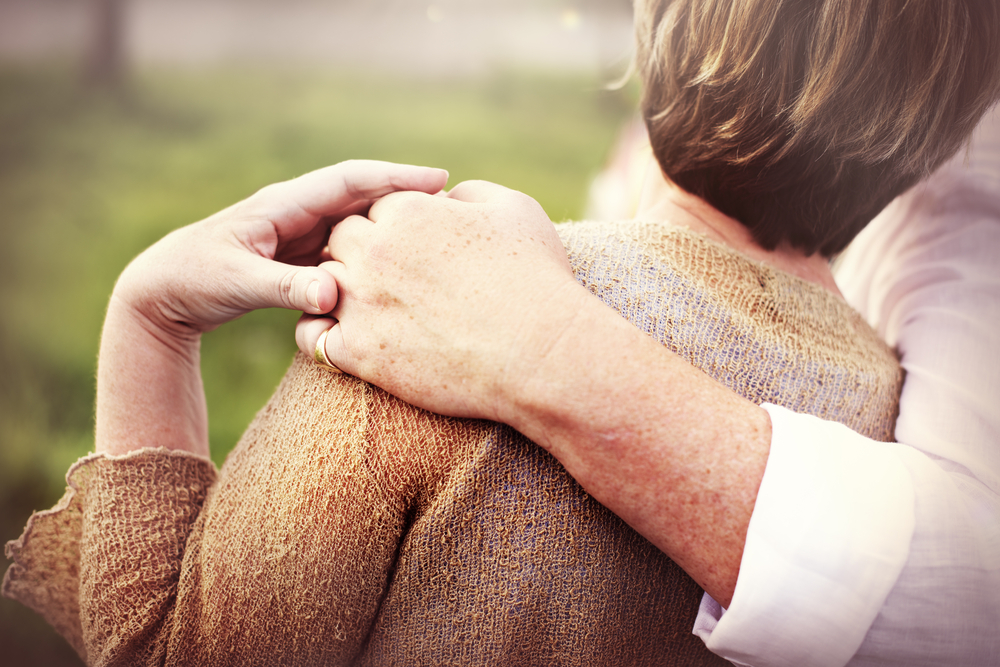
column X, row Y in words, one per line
column 445, row 300
column 261, row 252
column 467, row 306
column 149, row 390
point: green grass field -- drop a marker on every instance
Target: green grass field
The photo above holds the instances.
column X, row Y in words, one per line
column 88, row 179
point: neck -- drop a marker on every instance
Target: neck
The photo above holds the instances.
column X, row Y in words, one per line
column 663, row 201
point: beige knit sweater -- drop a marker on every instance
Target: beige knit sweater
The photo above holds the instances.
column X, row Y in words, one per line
column 350, row 528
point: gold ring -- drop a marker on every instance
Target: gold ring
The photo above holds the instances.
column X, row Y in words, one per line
column 319, row 356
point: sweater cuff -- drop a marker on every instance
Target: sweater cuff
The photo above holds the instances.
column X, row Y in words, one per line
column 829, row 536
column 158, row 492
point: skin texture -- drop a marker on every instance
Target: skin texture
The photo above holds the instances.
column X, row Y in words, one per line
column 466, row 306
column 258, row 253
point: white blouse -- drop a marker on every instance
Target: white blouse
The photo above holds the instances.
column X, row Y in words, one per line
column 861, row 552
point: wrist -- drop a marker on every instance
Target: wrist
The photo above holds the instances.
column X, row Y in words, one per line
column 149, row 391
column 146, row 296
column 142, row 315
column 564, row 353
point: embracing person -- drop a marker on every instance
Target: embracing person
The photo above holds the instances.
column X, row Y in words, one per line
column 350, row 527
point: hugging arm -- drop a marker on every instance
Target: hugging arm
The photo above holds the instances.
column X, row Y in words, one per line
column 467, row 306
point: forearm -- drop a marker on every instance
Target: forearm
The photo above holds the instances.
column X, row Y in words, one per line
column 149, row 388
column 672, row 452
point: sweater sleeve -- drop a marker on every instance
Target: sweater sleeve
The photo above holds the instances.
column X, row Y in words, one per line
column 282, row 557
column 102, row 567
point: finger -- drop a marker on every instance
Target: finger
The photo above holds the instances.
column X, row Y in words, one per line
column 397, row 202
column 308, row 330
column 336, row 350
column 484, row 192
column 331, row 190
column 480, row 192
column 307, row 336
column 269, row 284
column 348, row 237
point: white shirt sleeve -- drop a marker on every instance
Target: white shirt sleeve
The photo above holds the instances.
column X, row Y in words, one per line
column 868, row 553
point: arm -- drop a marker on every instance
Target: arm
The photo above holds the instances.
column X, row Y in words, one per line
column 532, row 350
column 105, row 566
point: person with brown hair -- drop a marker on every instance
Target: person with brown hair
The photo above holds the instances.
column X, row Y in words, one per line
column 856, row 101
column 805, row 132
column 349, row 526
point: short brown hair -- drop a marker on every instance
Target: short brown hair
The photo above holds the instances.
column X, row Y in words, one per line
column 802, row 119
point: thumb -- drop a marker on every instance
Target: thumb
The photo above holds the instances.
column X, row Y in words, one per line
column 271, row 284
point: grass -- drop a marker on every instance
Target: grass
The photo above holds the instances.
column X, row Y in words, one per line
column 89, row 178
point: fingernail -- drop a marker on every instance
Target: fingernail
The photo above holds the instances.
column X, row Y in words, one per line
column 312, row 294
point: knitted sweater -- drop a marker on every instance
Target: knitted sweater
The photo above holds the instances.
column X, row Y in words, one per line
column 348, row 527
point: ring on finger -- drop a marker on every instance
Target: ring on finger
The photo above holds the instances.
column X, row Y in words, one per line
column 319, row 356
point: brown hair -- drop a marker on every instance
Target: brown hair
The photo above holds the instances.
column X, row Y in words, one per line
column 802, row 119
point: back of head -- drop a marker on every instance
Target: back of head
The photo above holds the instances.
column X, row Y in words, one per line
column 802, row 119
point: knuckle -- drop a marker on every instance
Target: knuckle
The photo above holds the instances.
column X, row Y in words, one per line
column 287, row 285
column 396, row 203
column 532, row 206
column 257, row 203
column 406, row 198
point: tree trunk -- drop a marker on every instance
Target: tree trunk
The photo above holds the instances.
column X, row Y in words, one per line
column 107, row 58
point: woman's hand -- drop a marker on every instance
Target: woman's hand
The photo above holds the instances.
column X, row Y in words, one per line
column 249, row 256
column 445, row 300
column 261, row 252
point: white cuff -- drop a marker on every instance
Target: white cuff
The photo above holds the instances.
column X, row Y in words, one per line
column 829, row 535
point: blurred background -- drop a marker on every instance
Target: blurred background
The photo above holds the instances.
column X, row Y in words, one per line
column 123, row 119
